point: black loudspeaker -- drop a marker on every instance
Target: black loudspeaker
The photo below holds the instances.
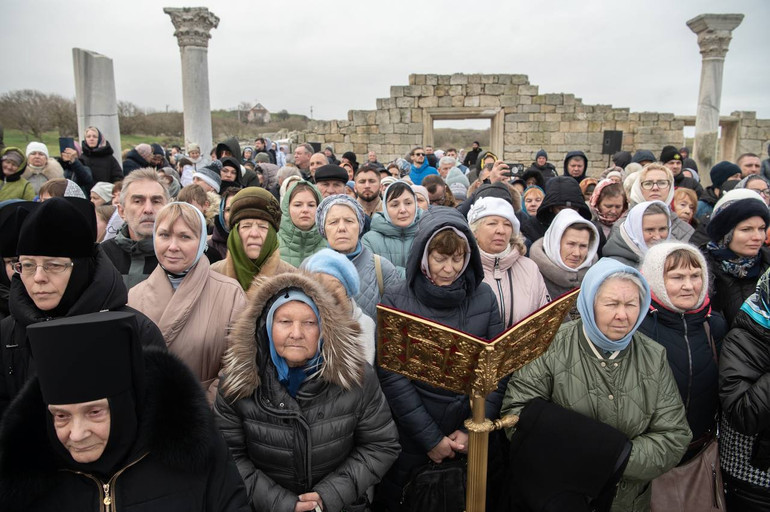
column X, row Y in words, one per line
column 317, row 146
column 611, row 142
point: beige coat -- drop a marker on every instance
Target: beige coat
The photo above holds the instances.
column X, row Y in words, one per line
column 274, row 265
column 195, row 319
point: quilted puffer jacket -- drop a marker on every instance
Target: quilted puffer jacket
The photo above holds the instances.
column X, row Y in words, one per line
column 296, row 244
column 336, row 438
column 636, row 393
column 389, row 241
column 369, row 293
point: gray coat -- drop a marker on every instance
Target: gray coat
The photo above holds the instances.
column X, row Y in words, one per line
column 369, row 293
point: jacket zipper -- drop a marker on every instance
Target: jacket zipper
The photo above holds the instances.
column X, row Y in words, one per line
column 498, row 280
column 107, row 491
column 689, row 362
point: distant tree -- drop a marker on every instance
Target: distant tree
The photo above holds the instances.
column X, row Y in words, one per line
column 35, row 112
column 283, row 115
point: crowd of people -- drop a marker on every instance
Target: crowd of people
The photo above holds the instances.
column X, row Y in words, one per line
column 199, row 332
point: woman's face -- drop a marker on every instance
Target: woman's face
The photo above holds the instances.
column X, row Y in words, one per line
column 532, row 203
column 616, row 308
column 46, row 288
column 253, row 233
column 422, row 203
column 589, row 192
column 402, row 210
column 445, row 269
column 176, row 245
column 228, row 173
column 96, row 199
column 228, row 202
column 101, row 228
column 194, row 154
column 92, row 138
column 493, row 234
column 302, row 210
column 656, row 177
column 295, row 333
column 574, row 245
column 684, row 209
column 37, row 159
column 683, row 286
column 10, row 168
column 654, row 228
column 748, row 237
column 341, row 227
column 610, row 208
column 615, row 179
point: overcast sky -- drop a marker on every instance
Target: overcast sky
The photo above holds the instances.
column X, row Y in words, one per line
column 341, row 54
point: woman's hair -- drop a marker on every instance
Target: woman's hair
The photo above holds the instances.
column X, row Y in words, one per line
column 623, row 276
column 229, row 192
column 173, row 211
column 104, row 212
column 54, row 187
column 117, row 187
column 581, row 226
column 681, row 258
column 533, row 190
column 655, row 209
column 286, row 171
column 447, row 242
column 193, row 192
column 397, row 189
column 613, row 190
column 300, row 187
column 690, row 194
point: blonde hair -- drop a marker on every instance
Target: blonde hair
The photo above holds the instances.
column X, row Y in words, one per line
column 174, row 211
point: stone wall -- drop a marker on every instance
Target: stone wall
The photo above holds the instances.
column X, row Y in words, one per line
column 523, row 121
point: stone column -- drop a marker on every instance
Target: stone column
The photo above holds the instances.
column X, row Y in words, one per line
column 714, row 33
column 95, row 100
column 193, row 25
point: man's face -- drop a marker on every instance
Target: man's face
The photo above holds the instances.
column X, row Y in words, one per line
column 684, row 153
column 328, row 153
column 675, row 166
column 475, row 146
column 428, row 150
column 575, row 167
column 438, row 196
column 330, row 187
column 368, row 185
column 302, row 157
column 444, row 169
column 452, row 153
column 541, row 161
column 316, row 161
column 749, row 165
column 418, row 157
column 83, row 429
column 144, row 199
column 372, row 156
column 259, row 145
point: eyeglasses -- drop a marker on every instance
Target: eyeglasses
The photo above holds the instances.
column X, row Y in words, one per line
column 765, row 192
column 419, row 154
column 661, row 184
column 28, row 268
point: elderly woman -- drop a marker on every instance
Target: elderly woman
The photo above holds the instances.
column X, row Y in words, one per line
column 98, row 156
column 61, row 273
column 736, row 254
column 744, row 366
column 193, row 306
column 445, row 284
column 566, row 252
column 759, row 184
column 608, row 203
column 655, row 182
column 252, row 245
column 301, row 410
column 340, row 220
column 681, row 320
column 40, row 167
column 14, row 186
column 514, row 278
column 392, row 230
column 647, row 224
column 600, row 367
column 298, row 235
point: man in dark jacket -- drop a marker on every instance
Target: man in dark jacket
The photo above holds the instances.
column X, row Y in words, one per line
column 671, row 158
column 543, row 166
column 720, row 173
column 106, row 426
column 576, row 165
column 137, row 158
column 472, row 156
column 132, row 251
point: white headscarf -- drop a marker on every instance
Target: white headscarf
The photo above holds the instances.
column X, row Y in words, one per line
column 637, row 196
column 552, row 239
column 633, row 224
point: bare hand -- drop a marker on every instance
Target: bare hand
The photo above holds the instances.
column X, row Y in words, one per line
column 69, row 155
column 308, row 501
column 446, row 448
column 500, row 171
column 460, row 437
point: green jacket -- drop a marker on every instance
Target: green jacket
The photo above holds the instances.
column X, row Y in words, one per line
column 391, row 242
column 635, row 393
column 295, row 244
column 19, row 189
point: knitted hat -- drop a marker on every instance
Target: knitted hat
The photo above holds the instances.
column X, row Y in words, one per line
column 61, row 226
column 329, row 261
column 489, row 206
column 14, row 155
column 499, row 190
column 328, row 202
column 387, row 181
column 169, row 171
column 722, row 171
column 350, row 157
column 654, row 265
column 733, row 207
column 419, row 189
column 144, row 150
column 331, row 172
column 459, row 190
column 643, row 155
column 541, row 153
column 210, row 175
column 104, row 190
column 255, row 203
column 193, row 146
column 262, row 158
column 37, row 146
column 669, row 153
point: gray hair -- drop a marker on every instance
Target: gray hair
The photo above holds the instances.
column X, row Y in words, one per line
column 447, row 160
column 144, row 174
column 624, row 276
column 655, row 209
column 286, row 171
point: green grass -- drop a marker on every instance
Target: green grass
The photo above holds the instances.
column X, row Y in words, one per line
column 19, row 139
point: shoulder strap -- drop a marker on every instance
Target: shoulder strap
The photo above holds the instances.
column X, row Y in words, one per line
column 378, row 271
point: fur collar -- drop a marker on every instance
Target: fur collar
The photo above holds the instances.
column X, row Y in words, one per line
column 343, row 354
column 176, row 428
column 51, row 170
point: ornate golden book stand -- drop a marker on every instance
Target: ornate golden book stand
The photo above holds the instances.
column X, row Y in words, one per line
column 449, row 359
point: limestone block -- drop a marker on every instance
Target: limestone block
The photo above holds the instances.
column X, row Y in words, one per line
column 525, row 100
column 578, row 126
column 529, row 90
column 335, row 137
column 386, row 128
column 564, row 126
column 431, row 79
column 412, row 79
column 376, row 138
column 371, row 116
column 360, row 149
column 581, row 116
column 515, row 138
column 488, row 79
column 666, row 117
column 519, row 79
column 594, row 126
column 576, row 139
column 427, row 90
column 549, row 126
column 489, row 101
column 413, row 90
column 539, row 99
column 648, row 116
column 419, row 80
column 595, row 138
column 359, row 117
column 396, row 91
column 621, row 116
column 383, row 117
column 510, row 127
column 473, row 89
column 406, row 102
column 431, row 101
column 557, row 138
column 443, row 79
column 441, row 90
column 417, row 114
column 569, row 99
column 415, row 128
column 537, row 117
column 563, row 109
column 553, row 117
column 511, row 90
column 474, row 79
column 530, row 108
column 504, row 79
column 446, row 101
column 509, row 100
column 472, row 101
column 392, row 139
column 516, row 118
column 401, row 128
column 548, row 108
column 458, row 79
column 458, row 101
column 457, row 90
column 494, row 89
column 554, row 99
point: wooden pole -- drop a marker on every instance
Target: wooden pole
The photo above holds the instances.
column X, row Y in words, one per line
column 478, row 450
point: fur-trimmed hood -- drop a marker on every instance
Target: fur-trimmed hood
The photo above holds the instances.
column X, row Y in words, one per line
column 343, row 356
column 51, row 170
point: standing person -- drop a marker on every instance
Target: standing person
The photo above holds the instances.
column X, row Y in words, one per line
column 14, row 186
column 107, row 426
column 608, row 203
column 300, row 409
column 420, row 166
column 736, row 254
column 252, row 245
column 655, row 182
column 576, row 165
column 601, row 367
column 367, row 180
column 744, row 366
column 472, row 156
column 298, row 235
column 138, row 158
column 302, row 155
column 131, row 251
column 647, row 224
column 720, row 173
column 195, row 157
column 331, row 179
column 99, row 156
column 61, row 273
column 543, row 166
column 532, row 197
column 193, row 306
column 515, row 279
column 40, row 167
column 672, row 159
column 560, row 192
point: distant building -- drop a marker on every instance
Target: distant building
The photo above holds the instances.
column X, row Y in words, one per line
column 258, row 114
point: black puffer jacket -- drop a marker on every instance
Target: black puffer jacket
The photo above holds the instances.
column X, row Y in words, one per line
column 744, row 392
column 178, row 463
column 691, row 358
column 561, row 191
column 336, row 438
column 728, row 292
column 105, row 292
column 425, row 414
column 133, row 162
column 103, row 165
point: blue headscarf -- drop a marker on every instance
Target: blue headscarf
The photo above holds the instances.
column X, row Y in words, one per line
column 592, row 281
column 757, row 306
column 292, row 378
